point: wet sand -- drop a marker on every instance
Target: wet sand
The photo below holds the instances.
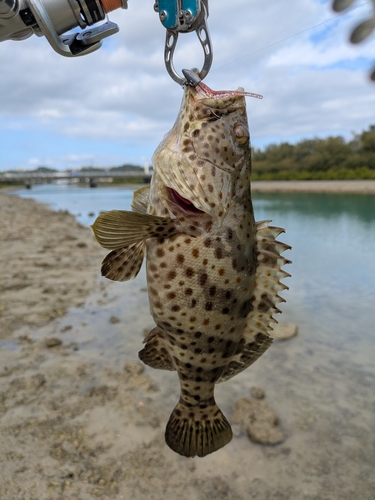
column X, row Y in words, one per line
column 75, row 427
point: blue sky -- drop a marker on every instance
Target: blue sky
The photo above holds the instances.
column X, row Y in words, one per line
column 114, row 106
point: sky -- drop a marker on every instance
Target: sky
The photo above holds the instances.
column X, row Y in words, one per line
column 114, row 106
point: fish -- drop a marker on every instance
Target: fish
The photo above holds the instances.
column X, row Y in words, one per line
column 213, row 273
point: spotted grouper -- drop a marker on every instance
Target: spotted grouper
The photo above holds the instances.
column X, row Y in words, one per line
column 213, row 273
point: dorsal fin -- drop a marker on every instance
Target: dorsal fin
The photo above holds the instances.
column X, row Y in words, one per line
column 255, row 338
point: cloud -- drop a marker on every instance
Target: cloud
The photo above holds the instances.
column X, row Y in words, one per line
column 116, row 104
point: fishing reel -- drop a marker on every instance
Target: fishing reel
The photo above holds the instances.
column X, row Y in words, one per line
column 54, row 19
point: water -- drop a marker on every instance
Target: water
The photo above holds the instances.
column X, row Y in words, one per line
column 333, row 255
column 321, row 383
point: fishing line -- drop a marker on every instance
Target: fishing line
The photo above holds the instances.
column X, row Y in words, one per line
column 291, row 36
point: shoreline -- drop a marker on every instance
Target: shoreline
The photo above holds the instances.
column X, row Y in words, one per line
column 362, row 186
column 338, row 186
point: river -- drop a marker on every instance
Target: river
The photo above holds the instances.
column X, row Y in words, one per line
column 321, row 382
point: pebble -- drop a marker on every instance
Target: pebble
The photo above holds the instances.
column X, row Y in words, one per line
column 257, row 393
column 284, row 331
column 52, row 342
column 114, row 319
column 134, row 367
column 258, row 420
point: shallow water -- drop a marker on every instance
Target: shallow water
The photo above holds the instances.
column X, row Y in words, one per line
column 321, row 383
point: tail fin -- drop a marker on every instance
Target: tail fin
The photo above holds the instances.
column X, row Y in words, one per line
column 197, row 431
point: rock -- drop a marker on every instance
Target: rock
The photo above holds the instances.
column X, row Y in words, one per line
column 114, row 319
column 258, row 420
column 52, row 342
column 283, row 331
column 134, row 367
column 257, row 393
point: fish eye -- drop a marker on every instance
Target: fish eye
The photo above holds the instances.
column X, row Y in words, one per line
column 242, row 135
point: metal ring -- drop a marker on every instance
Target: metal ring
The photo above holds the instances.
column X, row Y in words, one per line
column 170, row 45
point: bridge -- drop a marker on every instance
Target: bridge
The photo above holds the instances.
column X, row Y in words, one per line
column 92, row 178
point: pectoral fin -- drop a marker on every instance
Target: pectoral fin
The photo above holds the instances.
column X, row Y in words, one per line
column 120, row 228
column 124, row 264
column 141, row 197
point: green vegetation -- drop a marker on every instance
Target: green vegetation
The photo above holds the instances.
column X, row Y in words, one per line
column 312, row 159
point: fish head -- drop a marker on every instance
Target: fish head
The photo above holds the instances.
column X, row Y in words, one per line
column 206, row 158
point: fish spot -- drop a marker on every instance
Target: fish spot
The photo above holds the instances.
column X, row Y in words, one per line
column 225, row 310
column 175, row 308
column 196, row 132
column 192, row 319
column 203, row 279
column 210, row 188
column 221, row 272
column 245, row 308
column 160, row 252
column 195, row 252
column 206, row 321
column 198, row 350
column 218, row 253
column 192, row 303
column 198, row 379
column 207, row 242
column 189, row 272
column 208, row 306
column 171, row 295
column 180, row 258
column 212, row 291
column 187, row 241
column 210, row 339
column 171, row 275
column 188, row 291
column 205, row 262
column 163, row 265
column 211, row 350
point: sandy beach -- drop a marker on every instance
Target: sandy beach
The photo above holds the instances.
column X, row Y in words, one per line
column 74, row 428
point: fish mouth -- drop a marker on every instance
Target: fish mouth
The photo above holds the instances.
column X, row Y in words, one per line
column 183, row 203
column 202, row 91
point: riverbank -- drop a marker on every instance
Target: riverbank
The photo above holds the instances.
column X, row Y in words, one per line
column 353, row 187
column 365, row 186
column 339, row 186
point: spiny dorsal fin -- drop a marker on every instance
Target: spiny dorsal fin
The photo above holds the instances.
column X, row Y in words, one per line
column 141, row 198
column 124, row 264
column 154, row 353
column 255, row 338
column 120, row 228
